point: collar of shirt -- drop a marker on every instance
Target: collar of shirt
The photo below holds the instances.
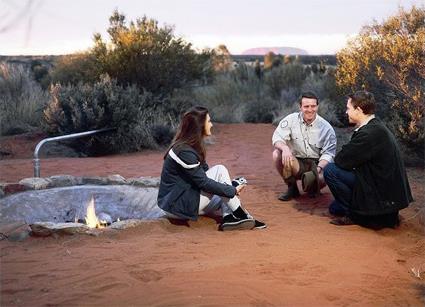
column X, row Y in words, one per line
column 365, row 122
column 302, row 121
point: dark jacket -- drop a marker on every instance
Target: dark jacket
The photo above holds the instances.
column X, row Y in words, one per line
column 182, row 180
column 381, row 185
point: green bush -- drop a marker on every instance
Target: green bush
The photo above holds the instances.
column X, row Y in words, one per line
column 328, row 110
column 227, row 96
column 288, row 104
column 387, row 59
column 240, row 96
column 149, row 56
column 75, row 68
column 284, row 77
column 137, row 52
column 21, row 100
column 261, row 110
column 40, row 73
column 82, row 107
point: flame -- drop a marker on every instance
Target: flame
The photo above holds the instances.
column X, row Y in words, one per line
column 91, row 218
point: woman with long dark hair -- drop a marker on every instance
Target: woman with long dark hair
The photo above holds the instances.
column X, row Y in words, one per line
column 190, row 188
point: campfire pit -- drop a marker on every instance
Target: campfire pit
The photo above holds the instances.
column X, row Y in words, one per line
column 77, row 204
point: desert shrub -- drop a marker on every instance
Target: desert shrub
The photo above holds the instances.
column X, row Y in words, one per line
column 21, row 100
column 323, row 85
column 221, row 99
column 82, row 107
column 40, row 73
column 289, row 97
column 137, row 52
column 227, row 96
column 284, row 77
column 316, row 84
column 327, row 109
column 268, row 60
column 240, row 96
column 162, row 134
column 75, row 68
column 147, row 55
column 288, row 104
column 388, row 60
column 261, row 110
column 221, row 59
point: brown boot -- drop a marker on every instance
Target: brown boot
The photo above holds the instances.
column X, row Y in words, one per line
column 292, row 191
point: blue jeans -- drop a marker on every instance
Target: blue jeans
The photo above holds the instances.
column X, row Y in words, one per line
column 341, row 183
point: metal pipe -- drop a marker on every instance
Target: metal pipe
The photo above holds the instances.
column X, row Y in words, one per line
column 60, row 138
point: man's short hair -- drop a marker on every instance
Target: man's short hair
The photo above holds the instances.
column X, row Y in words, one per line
column 310, row 95
column 364, row 100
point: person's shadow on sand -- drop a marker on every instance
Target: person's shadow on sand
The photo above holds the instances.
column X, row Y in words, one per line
column 318, row 205
column 186, row 223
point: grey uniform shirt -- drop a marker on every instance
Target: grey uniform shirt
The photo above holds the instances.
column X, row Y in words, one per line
column 316, row 140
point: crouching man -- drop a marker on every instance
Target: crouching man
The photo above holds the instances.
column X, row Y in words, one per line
column 304, row 143
column 368, row 179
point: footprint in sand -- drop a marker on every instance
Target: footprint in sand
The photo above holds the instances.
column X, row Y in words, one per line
column 111, row 286
column 14, row 291
column 263, row 244
column 146, row 275
column 331, row 297
column 166, row 244
column 9, row 281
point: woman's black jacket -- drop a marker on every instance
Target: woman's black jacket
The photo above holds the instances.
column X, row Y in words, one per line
column 182, row 180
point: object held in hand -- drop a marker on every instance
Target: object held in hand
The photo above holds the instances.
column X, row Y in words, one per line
column 238, row 181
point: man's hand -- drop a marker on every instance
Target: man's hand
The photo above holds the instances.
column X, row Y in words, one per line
column 287, row 156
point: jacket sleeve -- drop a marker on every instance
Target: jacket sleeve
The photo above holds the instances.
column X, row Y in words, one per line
column 358, row 151
column 194, row 170
column 205, row 166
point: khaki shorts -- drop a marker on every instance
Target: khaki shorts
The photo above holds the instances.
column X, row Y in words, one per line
column 306, row 164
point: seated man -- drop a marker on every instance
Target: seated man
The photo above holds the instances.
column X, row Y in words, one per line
column 304, row 143
column 368, row 179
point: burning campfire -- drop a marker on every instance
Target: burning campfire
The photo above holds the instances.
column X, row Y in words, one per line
column 92, row 220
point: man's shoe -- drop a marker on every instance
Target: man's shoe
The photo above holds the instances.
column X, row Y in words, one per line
column 291, row 193
column 342, row 221
column 233, row 223
column 259, row 225
column 336, row 209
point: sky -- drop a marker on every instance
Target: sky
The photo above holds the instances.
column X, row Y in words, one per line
column 42, row 27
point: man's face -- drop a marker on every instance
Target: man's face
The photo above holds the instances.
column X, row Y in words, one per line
column 353, row 113
column 309, row 109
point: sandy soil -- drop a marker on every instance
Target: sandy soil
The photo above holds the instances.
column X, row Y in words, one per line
column 299, row 260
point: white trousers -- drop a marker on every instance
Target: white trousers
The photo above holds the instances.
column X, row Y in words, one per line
column 210, row 203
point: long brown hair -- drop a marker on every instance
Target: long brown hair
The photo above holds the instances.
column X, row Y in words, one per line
column 191, row 131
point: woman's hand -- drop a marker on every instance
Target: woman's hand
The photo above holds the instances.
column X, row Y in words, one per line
column 239, row 188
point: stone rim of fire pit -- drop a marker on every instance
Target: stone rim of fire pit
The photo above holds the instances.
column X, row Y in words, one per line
column 58, row 181
column 33, row 183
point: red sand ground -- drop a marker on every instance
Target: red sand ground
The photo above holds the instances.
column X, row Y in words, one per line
column 299, row 260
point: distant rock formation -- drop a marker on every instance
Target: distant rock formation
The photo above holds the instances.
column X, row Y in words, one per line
column 275, row 50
